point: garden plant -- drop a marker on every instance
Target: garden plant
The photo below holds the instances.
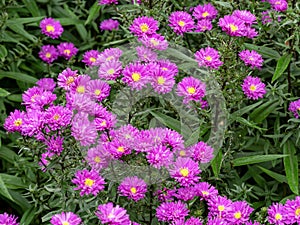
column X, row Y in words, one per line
column 128, row 112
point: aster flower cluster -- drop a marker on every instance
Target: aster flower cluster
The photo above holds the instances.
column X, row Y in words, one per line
column 251, row 58
column 204, row 15
column 109, row 25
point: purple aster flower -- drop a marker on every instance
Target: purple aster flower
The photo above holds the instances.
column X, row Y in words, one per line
column 181, row 22
column 155, row 41
column 109, row 214
column 279, row 5
column 253, row 88
column 80, row 102
column 294, row 107
column 246, row 16
column 48, row 53
column 133, row 187
column 203, row 25
column 135, row 75
column 159, row 156
column 67, row 50
column 90, row 57
column 143, row 26
column 127, row 135
column 219, row 206
column 48, row 84
column 110, row 70
column 265, row 19
column 185, row 171
column 208, row 57
column 65, row 218
column 165, row 194
column 66, row 78
column 167, row 65
column 57, row 117
column 14, row 121
column 202, row 152
column 292, row 210
column 55, row 144
column 146, row 54
column 185, row 193
column 191, row 89
column 162, row 81
column 184, row 152
column 109, row 24
column 98, row 89
column 116, row 148
column 8, row 219
column 107, row 2
column 250, row 32
column 80, row 84
column 171, row 211
column 51, row 27
column 109, row 54
column 105, row 121
column 251, row 58
column 232, row 25
column 239, row 213
column 217, row 221
column 252, row 223
column 277, row 214
column 206, row 11
column 205, row 190
column 173, row 140
column 98, row 157
column 33, row 123
column 190, row 221
column 30, row 96
column 83, row 130
column 88, row 182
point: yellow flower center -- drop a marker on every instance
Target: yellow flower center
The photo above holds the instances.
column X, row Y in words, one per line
column 136, row 76
column 208, row 58
column 252, row 87
column 233, row 28
column 93, row 59
column 65, row 223
column 154, row 42
column 109, row 58
column 80, row 89
column 297, row 212
column 182, row 153
column 103, row 123
column 278, row 216
column 97, row 159
column 237, row 215
column 184, row 172
column 221, row 208
column 56, row 117
column 111, row 71
column 133, row 190
column 164, row 68
column 32, row 99
column 161, row 80
column 50, row 28
column 205, row 192
column 97, row 92
column 18, row 122
column 191, row 90
column 111, row 216
column 70, row 80
column 144, row 27
column 89, row 182
column 181, row 23
column 48, row 55
column 120, row 149
column 205, row 14
column 251, row 58
column 67, row 51
column 277, row 3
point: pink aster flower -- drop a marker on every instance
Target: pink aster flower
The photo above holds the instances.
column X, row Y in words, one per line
column 202, row 152
column 98, row 158
column 167, row 65
column 205, row 190
column 109, row 214
column 48, row 53
column 66, row 78
column 88, row 182
column 109, row 24
column 67, row 50
column 45, row 160
column 171, row 211
column 159, row 156
column 191, row 89
column 155, row 41
column 253, row 88
column 279, row 5
column 239, row 213
column 185, row 171
column 33, row 123
column 232, row 25
column 65, row 218
column 48, row 84
column 294, row 107
column 185, row 193
column 133, row 187
column 14, row 121
column 277, row 214
column 98, row 89
column 135, row 75
column 107, row 2
column 30, row 96
column 292, row 209
column 8, row 219
column 165, row 194
column 110, row 54
column 116, row 148
column 90, row 57
column 110, row 70
column 219, row 206
column 206, row 11
column 55, row 144
column 80, row 102
column 203, row 25
column 208, row 57
column 251, row 58
column 143, row 26
column 57, row 117
column 80, row 84
column 127, row 135
column 162, row 81
column 51, row 27
column 173, row 140
column 145, row 54
column 245, row 16
column 105, row 121
column 181, row 22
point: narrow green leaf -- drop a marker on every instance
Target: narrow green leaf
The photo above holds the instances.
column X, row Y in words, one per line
column 69, row 21
column 18, row 76
column 264, row 51
column 4, row 191
column 280, row 178
column 20, row 200
column 167, row 121
column 15, row 97
column 25, row 20
column 32, row 7
column 244, row 110
column 28, row 216
column 19, row 29
column 12, row 182
column 259, row 114
column 3, row 52
column 93, row 12
column 281, row 66
column 291, row 166
column 3, row 92
column 7, row 154
column 256, row 176
column 216, row 163
column 248, row 123
column 256, row 159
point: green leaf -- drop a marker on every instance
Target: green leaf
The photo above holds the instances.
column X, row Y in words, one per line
column 32, row 7
column 291, row 166
column 3, row 93
column 255, row 159
column 28, row 216
column 25, row 20
column 4, row 191
column 216, row 163
column 7, row 154
column 93, row 12
column 281, row 66
column 3, row 52
column 12, row 182
column 69, row 21
column 280, row 178
column 15, row 97
column 242, row 111
column 18, row 76
column 248, row 123
column 259, row 114
column 19, row 29
column 264, row 51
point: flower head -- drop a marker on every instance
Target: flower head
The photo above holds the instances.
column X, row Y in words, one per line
column 277, row 214
column 181, row 22
column 8, row 219
column 239, row 213
column 205, row 190
column 206, row 11
column 232, row 25
column 208, row 57
column 66, row 78
column 90, row 57
column 65, row 218
column 110, row 54
column 203, row 25
column 171, row 211
column 109, row 24
column 145, row 54
column 245, row 16
column 292, row 209
column 162, row 81
column 110, row 70
column 154, row 41
column 98, row 89
column 135, row 75
column 202, row 152
column 107, row 2
column 48, row 84
column 109, row 214
column 48, row 53
column 133, row 188
column 98, row 158
column 279, row 5
column 294, row 107
column 14, row 121
column 51, row 27
column 159, row 156
column 67, row 50
column 143, row 26
column 253, row 88
column 251, row 58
